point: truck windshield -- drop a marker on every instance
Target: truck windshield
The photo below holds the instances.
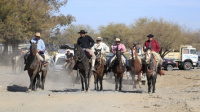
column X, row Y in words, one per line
column 192, row 51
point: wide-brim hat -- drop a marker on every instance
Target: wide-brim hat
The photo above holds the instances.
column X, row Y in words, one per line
column 117, row 39
column 99, row 38
column 150, row 35
column 37, row 34
column 82, row 31
column 135, row 43
column 68, row 50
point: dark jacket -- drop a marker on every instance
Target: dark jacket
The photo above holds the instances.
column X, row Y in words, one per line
column 85, row 42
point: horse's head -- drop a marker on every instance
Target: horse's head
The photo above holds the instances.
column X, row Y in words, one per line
column 148, row 56
column 33, row 48
column 118, row 54
column 134, row 52
column 78, row 52
column 98, row 53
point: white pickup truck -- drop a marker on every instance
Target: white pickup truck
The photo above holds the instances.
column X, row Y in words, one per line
column 186, row 58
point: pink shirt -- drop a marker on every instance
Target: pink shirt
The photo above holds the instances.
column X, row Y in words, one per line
column 120, row 46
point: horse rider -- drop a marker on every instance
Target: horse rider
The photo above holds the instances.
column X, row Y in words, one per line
column 101, row 45
column 87, row 43
column 155, row 47
column 123, row 50
column 40, row 49
column 68, row 57
column 138, row 50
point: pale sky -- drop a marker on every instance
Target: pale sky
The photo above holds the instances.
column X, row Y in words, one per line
column 102, row 12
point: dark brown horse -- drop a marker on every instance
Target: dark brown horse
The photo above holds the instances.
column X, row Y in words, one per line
column 151, row 70
column 136, row 68
column 34, row 67
column 99, row 70
column 83, row 65
column 118, row 69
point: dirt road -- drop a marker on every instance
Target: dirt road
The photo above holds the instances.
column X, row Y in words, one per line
column 177, row 91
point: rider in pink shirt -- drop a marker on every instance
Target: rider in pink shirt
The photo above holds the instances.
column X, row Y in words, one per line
column 120, row 46
column 123, row 50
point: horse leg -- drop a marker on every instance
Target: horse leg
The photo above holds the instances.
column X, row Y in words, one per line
column 33, row 86
column 120, row 84
column 86, row 81
column 153, row 84
column 82, row 80
column 149, row 84
column 38, row 81
column 139, row 81
column 95, row 81
column 101, row 85
column 116, row 83
column 44, row 73
column 89, row 77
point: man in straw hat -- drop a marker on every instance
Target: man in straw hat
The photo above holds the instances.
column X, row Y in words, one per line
column 40, row 48
column 155, row 47
column 104, row 48
column 123, row 50
column 87, row 43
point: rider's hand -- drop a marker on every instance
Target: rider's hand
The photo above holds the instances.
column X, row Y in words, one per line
column 38, row 51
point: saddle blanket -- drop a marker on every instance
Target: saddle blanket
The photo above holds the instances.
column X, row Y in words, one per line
column 47, row 58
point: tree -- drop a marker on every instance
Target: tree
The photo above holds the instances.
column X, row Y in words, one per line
column 20, row 19
column 169, row 35
column 113, row 31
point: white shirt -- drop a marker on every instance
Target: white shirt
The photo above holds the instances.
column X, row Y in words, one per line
column 104, row 48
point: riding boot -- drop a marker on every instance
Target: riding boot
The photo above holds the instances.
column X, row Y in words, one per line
column 127, row 68
column 160, row 71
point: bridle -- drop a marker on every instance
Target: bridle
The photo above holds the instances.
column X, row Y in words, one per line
column 76, row 57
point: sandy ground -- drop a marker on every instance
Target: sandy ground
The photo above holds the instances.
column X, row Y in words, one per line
column 177, row 91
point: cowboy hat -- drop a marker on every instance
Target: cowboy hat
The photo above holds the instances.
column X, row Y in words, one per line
column 150, row 35
column 37, row 34
column 117, row 39
column 82, row 31
column 99, row 38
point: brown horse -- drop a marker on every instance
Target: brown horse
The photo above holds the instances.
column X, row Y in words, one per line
column 118, row 69
column 99, row 70
column 136, row 68
column 34, row 67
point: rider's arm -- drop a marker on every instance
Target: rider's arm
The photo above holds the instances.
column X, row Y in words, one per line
column 42, row 46
column 123, row 48
column 91, row 41
column 157, row 47
column 78, row 42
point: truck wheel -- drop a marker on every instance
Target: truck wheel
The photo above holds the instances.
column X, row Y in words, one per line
column 169, row 68
column 187, row 66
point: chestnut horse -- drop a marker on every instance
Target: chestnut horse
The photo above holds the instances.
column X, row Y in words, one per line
column 136, row 68
column 99, row 70
column 151, row 70
column 118, row 69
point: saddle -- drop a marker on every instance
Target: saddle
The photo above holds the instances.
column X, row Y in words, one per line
column 88, row 54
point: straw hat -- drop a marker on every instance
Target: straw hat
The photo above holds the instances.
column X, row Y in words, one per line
column 37, row 34
column 117, row 39
column 68, row 50
column 99, row 38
